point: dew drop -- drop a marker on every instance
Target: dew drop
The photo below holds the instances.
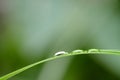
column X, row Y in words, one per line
column 60, row 53
column 78, row 51
column 93, row 50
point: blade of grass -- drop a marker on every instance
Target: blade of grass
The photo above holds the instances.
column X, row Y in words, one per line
column 91, row 51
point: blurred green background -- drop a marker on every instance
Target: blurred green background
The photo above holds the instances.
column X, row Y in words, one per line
column 32, row 30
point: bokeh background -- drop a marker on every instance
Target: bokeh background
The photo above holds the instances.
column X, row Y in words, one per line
column 32, row 30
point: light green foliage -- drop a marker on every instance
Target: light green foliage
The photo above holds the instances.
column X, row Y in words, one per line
column 76, row 52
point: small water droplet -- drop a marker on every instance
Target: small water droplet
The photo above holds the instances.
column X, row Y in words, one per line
column 60, row 53
column 78, row 51
column 93, row 50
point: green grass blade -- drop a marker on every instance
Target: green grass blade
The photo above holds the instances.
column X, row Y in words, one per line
column 91, row 51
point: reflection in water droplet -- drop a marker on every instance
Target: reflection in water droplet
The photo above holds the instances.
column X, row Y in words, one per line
column 93, row 50
column 78, row 51
column 60, row 53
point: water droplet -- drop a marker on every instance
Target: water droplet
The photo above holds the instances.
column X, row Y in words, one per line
column 78, row 51
column 93, row 50
column 60, row 53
